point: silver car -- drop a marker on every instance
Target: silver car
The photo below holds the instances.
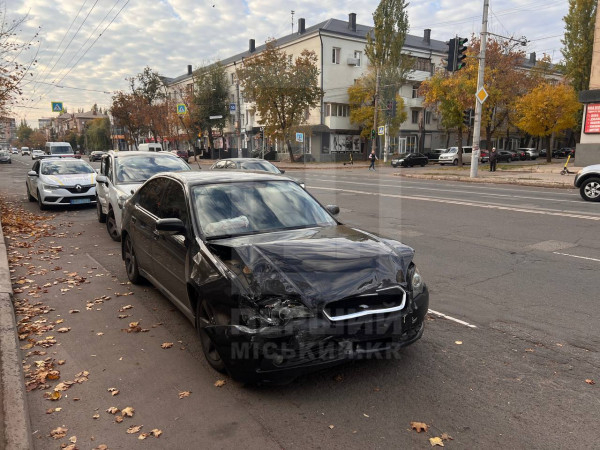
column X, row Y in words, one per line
column 530, row 153
column 61, row 182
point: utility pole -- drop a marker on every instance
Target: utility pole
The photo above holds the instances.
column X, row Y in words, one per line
column 238, row 116
column 376, row 110
column 478, row 102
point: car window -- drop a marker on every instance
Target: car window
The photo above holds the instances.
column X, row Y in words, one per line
column 259, row 165
column 36, row 167
column 137, row 169
column 173, row 204
column 150, row 194
column 109, row 168
column 65, row 167
column 236, row 208
column 231, row 165
column 220, row 165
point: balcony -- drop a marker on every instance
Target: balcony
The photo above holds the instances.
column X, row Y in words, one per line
column 413, row 102
column 339, row 123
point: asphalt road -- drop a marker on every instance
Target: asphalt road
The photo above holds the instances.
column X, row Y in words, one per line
column 503, row 363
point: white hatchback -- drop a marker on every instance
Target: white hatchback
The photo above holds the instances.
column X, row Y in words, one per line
column 61, row 182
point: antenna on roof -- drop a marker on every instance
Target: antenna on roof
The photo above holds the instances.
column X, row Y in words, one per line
column 293, row 12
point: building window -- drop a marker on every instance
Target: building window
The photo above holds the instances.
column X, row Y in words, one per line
column 358, row 57
column 337, row 110
column 415, row 116
column 423, row 64
column 232, row 78
column 415, row 91
column 335, row 56
column 327, row 109
column 427, row 117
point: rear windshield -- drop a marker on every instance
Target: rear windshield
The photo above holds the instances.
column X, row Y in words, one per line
column 138, row 168
column 61, row 150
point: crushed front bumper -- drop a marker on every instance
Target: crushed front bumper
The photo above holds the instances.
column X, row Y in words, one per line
column 273, row 354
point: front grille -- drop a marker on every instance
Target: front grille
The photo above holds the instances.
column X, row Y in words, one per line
column 73, row 189
column 382, row 301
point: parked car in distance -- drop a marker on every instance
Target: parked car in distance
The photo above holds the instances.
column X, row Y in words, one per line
column 183, row 154
column 14, row 151
column 264, row 270
column 543, row 153
column 484, row 156
column 37, row 154
column 150, row 147
column 434, row 154
column 253, row 164
column 530, row 153
column 96, row 155
column 451, row 156
column 25, row 151
column 563, row 152
column 588, row 182
column 121, row 174
column 5, row 157
column 61, row 182
column 409, row 160
column 505, row 156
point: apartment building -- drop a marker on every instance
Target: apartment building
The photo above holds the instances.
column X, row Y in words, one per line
column 340, row 49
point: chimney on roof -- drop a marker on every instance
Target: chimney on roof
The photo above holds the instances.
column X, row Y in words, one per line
column 532, row 58
column 352, row 21
column 251, row 45
column 189, row 69
column 301, row 26
column 427, row 36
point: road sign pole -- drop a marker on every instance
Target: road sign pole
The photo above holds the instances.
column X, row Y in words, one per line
column 478, row 103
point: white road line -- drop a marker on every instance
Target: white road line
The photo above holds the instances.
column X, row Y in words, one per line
column 453, row 319
column 464, row 203
column 579, row 257
column 95, row 261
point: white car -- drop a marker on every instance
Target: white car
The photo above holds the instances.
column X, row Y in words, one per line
column 61, row 182
column 121, row 174
column 37, row 154
column 588, row 182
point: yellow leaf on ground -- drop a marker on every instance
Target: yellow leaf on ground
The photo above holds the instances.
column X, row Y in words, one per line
column 56, row 395
column 184, row 394
column 134, row 429
column 219, row 383
column 436, row 441
column 112, row 410
column 119, row 419
column 156, row 432
column 458, row 342
column 590, row 381
column 419, row 426
column 59, row 433
column 166, row 345
column 128, row 411
column 447, row 437
column 143, row 436
column 331, row 427
column 64, row 330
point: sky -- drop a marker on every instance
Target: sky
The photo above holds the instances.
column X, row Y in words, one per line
column 86, row 49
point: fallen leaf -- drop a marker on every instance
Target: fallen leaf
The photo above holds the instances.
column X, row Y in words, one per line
column 589, row 381
column 156, row 432
column 100, row 334
column 96, row 416
column 419, row 426
column 331, row 427
column 166, row 345
column 101, row 447
column 113, row 391
column 73, row 439
column 458, row 342
column 184, row 394
column 134, row 429
column 447, row 437
column 365, row 415
column 119, row 419
column 436, row 441
column 143, row 436
column 73, row 311
column 219, row 383
column 128, row 411
column 56, row 395
column 64, row 330
column 113, row 410
column 59, row 433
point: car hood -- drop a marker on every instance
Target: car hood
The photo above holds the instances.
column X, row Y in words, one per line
column 319, row 265
column 69, row 180
column 128, row 188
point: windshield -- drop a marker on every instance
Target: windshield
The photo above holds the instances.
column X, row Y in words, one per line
column 232, row 209
column 452, row 150
column 65, row 167
column 61, row 150
column 259, row 165
column 3, row 152
column 137, row 169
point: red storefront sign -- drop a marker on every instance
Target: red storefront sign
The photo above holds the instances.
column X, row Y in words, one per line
column 592, row 118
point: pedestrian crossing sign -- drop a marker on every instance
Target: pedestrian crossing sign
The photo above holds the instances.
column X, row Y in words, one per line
column 381, row 131
column 181, row 108
column 57, row 106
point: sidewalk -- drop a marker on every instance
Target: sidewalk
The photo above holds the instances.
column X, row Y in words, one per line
column 15, row 428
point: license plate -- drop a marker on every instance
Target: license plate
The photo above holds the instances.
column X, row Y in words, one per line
column 79, row 201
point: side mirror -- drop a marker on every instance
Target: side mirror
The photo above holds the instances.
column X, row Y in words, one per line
column 32, row 173
column 101, row 179
column 282, row 170
column 334, row 210
column 173, row 226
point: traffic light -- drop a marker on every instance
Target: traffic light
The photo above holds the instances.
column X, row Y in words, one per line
column 391, row 108
column 372, row 134
column 467, row 114
column 451, row 60
column 461, row 48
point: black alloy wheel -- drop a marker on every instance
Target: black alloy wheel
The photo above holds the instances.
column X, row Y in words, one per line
column 205, row 316
column 590, row 190
column 131, row 266
column 101, row 216
column 40, row 204
column 111, row 226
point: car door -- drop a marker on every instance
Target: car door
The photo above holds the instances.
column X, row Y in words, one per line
column 32, row 181
column 169, row 250
column 143, row 223
column 102, row 188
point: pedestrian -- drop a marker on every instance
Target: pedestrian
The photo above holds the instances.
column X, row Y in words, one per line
column 493, row 159
column 373, row 157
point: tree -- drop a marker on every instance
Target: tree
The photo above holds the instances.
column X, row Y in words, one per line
column 362, row 100
column 147, row 87
column 98, row 134
column 578, row 42
column 546, row 110
column 126, row 110
column 12, row 72
column 282, row 91
column 384, row 46
column 24, row 133
column 209, row 99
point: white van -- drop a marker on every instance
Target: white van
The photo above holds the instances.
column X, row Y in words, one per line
column 58, row 149
column 150, row 147
column 451, row 156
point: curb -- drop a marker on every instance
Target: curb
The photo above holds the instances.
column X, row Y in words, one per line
column 16, row 424
column 519, row 181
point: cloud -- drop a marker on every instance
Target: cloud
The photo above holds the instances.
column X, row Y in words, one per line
column 167, row 35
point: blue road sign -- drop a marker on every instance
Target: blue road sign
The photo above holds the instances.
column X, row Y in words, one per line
column 181, row 108
column 232, row 107
column 57, row 106
column 299, row 137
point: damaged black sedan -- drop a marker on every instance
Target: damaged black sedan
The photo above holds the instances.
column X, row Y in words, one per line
column 275, row 286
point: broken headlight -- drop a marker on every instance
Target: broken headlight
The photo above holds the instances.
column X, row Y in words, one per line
column 277, row 312
column 416, row 281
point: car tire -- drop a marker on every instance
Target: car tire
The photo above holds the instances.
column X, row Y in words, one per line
column 40, row 204
column 101, row 216
column 206, row 315
column 131, row 266
column 30, row 197
column 590, row 190
column 111, row 226
column 455, row 162
column 422, row 165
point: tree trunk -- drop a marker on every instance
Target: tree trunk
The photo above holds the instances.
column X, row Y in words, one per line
column 290, row 151
column 548, row 149
column 460, row 151
column 488, row 136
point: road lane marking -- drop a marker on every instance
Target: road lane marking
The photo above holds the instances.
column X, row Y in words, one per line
column 579, row 257
column 464, row 203
column 453, row 319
